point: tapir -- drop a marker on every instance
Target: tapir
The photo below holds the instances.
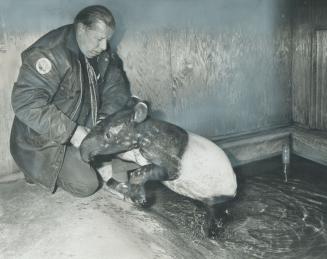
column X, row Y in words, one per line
column 186, row 163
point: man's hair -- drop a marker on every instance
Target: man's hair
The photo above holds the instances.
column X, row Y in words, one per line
column 94, row 13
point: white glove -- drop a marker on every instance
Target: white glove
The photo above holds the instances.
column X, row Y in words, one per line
column 79, row 134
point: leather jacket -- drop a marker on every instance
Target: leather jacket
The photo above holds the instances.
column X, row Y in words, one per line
column 47, row 98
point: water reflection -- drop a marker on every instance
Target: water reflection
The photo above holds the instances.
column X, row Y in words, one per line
column 268, row 219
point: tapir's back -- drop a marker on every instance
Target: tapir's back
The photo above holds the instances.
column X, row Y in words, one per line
column 162, row 143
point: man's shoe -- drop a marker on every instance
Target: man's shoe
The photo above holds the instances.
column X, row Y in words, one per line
column 28, row 179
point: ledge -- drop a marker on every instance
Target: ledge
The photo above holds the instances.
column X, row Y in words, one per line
column 253, row 147
column 310, row 144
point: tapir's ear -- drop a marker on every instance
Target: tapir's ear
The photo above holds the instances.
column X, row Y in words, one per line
column 140, row 112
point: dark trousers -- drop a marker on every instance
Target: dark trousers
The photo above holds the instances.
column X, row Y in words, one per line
column 76, row 176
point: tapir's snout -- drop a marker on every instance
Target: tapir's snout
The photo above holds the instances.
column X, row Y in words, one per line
column 84, row 154
column 88, row 148
column 97, row 144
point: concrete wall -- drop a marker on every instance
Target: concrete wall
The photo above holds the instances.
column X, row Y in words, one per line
column 309, row 95
column 222, row 67
column 309, row 75
column 216, row 67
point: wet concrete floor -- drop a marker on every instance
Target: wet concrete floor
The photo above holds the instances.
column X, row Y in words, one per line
column 268, row 219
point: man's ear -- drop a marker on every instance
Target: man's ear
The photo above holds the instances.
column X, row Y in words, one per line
column 140, row 112
column 80, row 28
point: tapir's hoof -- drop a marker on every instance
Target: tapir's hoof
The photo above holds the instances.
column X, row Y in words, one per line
column 215, row 228
column 217, row 223
column 137, row 194
column 120, row 190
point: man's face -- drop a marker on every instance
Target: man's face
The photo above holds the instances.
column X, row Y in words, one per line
column 93, row 40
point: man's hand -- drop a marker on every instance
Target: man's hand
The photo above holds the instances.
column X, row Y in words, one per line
column 79, row 134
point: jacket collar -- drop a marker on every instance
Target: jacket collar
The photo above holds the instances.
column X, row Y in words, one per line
column 71, row 42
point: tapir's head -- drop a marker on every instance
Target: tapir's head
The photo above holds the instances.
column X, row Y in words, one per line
column 115, row 134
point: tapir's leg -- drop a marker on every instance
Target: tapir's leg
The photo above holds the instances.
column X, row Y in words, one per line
column 138, row 177
column 217, row 215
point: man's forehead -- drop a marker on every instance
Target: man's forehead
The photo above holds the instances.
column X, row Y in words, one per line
column 99, row 27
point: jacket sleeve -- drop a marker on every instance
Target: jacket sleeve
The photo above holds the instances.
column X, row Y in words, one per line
column 115, row 90
column 32, row 95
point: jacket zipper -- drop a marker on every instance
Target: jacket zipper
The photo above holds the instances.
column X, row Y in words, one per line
column 73, row 115
column 81, row 88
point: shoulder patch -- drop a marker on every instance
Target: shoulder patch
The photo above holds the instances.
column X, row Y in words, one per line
column 43, row 66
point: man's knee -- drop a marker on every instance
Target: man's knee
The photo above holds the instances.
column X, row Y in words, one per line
column 86, row 192
column 81, row 189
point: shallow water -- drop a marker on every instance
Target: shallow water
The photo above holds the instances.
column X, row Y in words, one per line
column 268, row 219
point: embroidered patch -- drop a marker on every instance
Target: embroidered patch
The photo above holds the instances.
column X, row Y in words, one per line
column 43, row 66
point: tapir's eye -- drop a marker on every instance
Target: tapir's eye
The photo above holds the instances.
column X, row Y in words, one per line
column 107, row 136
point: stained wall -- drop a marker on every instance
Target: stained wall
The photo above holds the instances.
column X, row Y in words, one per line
column 215, row 67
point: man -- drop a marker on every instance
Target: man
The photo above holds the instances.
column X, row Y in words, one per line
column 69, row 79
